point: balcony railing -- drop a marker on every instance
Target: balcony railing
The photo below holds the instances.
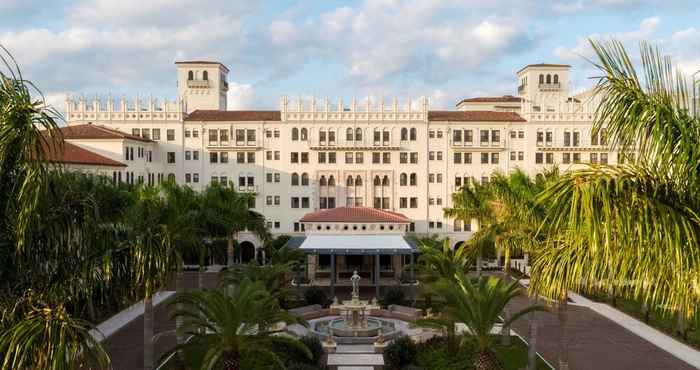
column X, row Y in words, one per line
column 550, row 86
column 198, row 83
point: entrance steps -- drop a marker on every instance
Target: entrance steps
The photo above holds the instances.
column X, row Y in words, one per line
column 355, row 357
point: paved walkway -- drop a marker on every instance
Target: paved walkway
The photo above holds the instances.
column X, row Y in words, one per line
column 595, row 342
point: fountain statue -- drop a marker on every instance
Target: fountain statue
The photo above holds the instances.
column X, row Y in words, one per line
column 355, row 280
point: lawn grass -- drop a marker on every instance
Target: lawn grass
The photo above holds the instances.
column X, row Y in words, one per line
column 514, row 357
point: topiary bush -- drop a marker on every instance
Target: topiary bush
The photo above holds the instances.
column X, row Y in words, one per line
column 393, row 295
column 401, row 352
column 313, row 343
column 315, row 295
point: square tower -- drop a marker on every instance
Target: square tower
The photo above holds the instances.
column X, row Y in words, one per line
column 543, row 79
column 202, row 84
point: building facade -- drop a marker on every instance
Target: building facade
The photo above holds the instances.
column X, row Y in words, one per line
column 313, row 155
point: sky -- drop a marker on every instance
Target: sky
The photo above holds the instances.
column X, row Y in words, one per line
column 446, row 50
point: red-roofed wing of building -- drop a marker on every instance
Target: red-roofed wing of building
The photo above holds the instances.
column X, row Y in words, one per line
column 89, row 131
column 493, row 99
column 68, row 153
column 355, row 214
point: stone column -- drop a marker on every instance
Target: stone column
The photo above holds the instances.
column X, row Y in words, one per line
column 311, row 265
column 332, row 275
column 397, row 266
column 376, row 275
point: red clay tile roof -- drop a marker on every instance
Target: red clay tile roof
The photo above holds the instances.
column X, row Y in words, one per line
column 544, row 65
column 201, row 62
column 474, row 116
column 493, row 99
column 234, row 115
column 89, row 131
column 355, row 214
column 72, row 154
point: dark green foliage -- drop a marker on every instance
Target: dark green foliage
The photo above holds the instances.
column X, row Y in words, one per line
column 315, row 295
column 314, row 345
column 401, row 352
column 393, row 295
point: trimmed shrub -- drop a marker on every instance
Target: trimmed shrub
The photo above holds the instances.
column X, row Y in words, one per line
column 393, row 295
column 401, row 352
column 314, row 344
column 315, row 295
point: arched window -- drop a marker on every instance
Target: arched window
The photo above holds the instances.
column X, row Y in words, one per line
column 549, row 79
column 358, row 134
column 350, row 181
column 322, row 181
column 205, row 75
column 413, row 179
column 404, row 134
column 304, row 134
column 403, row 179
column 304, row 179
column 385, row 181
column 377, row 181
column 348, row 134
column 295, row 134
column 295, row 179
column 190, row 75
column 541, row 79
column 331, row 181
column 556, row 79
column 413, row 134
column 358, row 181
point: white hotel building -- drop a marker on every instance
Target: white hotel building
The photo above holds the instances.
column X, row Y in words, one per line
column 312, row 155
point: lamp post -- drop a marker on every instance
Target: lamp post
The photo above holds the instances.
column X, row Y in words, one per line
column 695, row 101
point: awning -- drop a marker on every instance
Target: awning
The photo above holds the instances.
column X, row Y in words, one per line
column 353, row 244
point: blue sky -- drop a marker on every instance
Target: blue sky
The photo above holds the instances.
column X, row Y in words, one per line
column 444, row 49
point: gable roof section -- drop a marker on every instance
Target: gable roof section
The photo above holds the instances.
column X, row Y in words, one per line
column 68, row 153
column 202, row 62
column 474, row 116
column 355, row 214
column 492, row 99
column 89, row 131
column 234, row 115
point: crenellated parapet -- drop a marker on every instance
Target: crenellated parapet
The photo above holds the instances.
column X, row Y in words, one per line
column 98, row 109
column 311, row 109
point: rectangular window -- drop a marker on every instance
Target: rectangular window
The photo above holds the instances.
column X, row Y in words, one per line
column 484, row 158
column 484, row 136
column 240, row 157
column 376, row 158
column 170, row 134
column 305, row 202
column 385, row 137
column 268, row 200
column 386, row 157
column 250, row 135
column 540, row 137
column 304, row 157
column 268, row 134
column 268, row 177
column 468, row 136
column 577, row 138
column 277, row 155
column 146, row 133
column 156, row 134
column 495, row 136
column 538, row 158
column 467, row 158
column 331, row 137
column 431, row 178
column 603, row 158
column 414, row 157
column 439, row 156
column 268, row 155
column 331, row 157
column 240, row 136
column 594, row 138
column 457, row 136
column 439, row 178
column 577, row 157
column 458, row 181
column 521, row 134
column 195, row 177
column 188, row 133
column 567, row 138
column 414, row 202
column 188, row 178
column 349, row 157
column 431, row 134
column 321, row 157
column 295, row 202
column 458, row 158
column 195, row 133
column 277, row 177
column 512, row 155
column 277, row 133
column 195, row 155
column 171, row 157
column 549, row 137
column 188, row 155
column 359, row 158
column 213, row 136
column 431, row 156
column 136, row 132
column 223, row 136
column 494, row 158
column 322, row 137
column 512, row 134
column 521, row 156
column 294, row 157
column 223, row 157
column 593, row 158
column 566, row 158
column 549, row 158
column 403, row 202
column 377, row 137
column 403, row 157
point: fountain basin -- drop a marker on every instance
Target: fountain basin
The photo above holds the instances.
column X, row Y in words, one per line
column 345, row 333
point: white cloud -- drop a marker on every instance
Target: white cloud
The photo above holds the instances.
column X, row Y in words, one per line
column 240, row 96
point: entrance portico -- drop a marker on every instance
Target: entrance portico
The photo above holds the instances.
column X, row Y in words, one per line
column 342, row 240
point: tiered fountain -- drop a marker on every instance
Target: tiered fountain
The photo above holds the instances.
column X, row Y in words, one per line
column 355, row 325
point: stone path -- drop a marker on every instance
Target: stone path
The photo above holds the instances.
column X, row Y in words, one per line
column 355, row 356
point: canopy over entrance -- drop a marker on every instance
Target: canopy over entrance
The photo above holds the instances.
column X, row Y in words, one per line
column 344, row 244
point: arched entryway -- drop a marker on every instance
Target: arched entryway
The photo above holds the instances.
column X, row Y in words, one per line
column 247, row 251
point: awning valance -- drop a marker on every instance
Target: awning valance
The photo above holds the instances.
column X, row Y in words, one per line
column 353, row 244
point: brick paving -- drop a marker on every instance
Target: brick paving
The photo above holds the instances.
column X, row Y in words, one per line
column 595, row 342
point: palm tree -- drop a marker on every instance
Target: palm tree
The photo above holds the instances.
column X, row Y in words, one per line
column 632, row 227
column 472, row 201
column 152, row 256
column 236, row 326
column 49, row 338
column 478, row 305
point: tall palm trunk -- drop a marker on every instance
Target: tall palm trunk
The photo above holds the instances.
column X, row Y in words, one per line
column 532, row 348
column 148, row 333
column 563, row 314
column 229, row 251
column 478, row 263
column 179, row 320
column 505, row 329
